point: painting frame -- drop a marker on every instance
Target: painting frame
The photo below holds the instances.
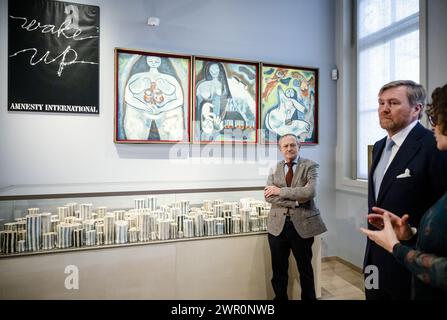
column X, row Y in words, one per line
column 152, row 97
column 53, row 61
column 288, row 103
column 225, row 106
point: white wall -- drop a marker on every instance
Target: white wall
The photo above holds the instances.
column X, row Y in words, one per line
column 47, row 153
column 351, row 208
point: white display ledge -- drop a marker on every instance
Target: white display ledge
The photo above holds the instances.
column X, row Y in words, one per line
column 123, row 186
column 235, row 267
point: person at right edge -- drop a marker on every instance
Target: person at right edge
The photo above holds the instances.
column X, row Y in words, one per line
column 428, row 260
column 408, row 174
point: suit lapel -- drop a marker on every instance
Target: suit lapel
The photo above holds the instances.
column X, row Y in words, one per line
column 297, row 173
column 376, row 154
column 380, row 145
column 405, row 154
column 281, row 175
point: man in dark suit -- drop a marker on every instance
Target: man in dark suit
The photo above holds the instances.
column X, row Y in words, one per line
column 408, row 174
column 294, row 219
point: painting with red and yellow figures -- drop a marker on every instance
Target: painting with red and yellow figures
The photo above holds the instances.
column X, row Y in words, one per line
column 289, row 103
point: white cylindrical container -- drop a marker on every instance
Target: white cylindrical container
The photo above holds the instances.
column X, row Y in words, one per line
column 236, row 224
column 173, row 230
column 245, row 219
column 210, row 226
column 21, row 235
column 245, row 203
column 33, row 232
column 45, row 222
column 152, row 203
column 184, row 207
column 139, row 203
column 101, row 211
column 180, row 220
column 8, row 241
column 219, row 226
column 121, row 229
column 163, row 229
column 78, row 237
column 199, row 224
column 228, row 228
column 207, row 205
column 64, row 235
column 109, row 228
column 99, row 238
column 188, row 228
column 71, row 209
column 54, row 222
column 133, row 235
column 33, row 211
column 85, row 211
column 71, row 219
column 90, row 237
column 49, row 240
column 153, row 235
column 254, row 224
column 62, row 213
column 21, row 225
column 263, row 223
column 21, row 246
column 218, row 210
column 10, row 226
column 119, row 214
column 144, row 228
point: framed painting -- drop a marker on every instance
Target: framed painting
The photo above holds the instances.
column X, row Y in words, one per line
column 225, row 101
column 53, row 56
column 289, row 103
column 152, row 92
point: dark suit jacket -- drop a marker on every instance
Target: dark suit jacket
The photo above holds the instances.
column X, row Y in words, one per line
column 412, row 195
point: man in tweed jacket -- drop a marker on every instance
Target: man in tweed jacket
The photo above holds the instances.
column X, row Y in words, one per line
column 294, row 219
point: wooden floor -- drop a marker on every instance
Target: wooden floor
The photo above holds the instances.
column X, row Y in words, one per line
column 340, row 282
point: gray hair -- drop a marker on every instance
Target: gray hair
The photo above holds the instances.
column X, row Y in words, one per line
column 298, row 142
column 415, row 92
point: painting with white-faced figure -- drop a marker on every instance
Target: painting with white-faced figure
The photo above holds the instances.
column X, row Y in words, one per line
column 152, row 97
column 225, row 101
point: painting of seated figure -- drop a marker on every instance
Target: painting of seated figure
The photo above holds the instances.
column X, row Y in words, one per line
column 289, row 103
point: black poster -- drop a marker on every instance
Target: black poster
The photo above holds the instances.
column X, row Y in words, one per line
column 53, row 57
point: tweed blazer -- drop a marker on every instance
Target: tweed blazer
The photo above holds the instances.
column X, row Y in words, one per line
column 306, row 217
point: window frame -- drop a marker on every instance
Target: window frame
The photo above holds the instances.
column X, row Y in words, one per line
column 346, row 59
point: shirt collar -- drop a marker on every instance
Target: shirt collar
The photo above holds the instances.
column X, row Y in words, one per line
column 400, row 137
column 295, row 161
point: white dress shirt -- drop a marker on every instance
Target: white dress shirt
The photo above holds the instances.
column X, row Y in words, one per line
column 399, row 139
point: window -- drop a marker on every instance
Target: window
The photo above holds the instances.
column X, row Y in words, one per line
column 387, row 41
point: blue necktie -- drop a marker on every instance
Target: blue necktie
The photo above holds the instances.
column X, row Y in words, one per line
column 381, row 166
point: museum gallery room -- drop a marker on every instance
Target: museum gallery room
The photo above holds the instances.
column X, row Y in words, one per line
column 204, row 149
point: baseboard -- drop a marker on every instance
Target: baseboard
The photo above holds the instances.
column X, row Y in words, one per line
column 346, row 263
